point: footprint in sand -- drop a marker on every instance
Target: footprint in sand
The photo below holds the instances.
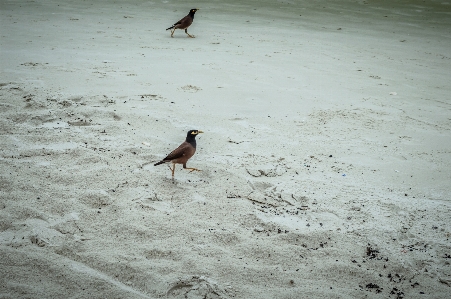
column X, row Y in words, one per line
column 196, row 287
column 260, row 166
column 191, row 88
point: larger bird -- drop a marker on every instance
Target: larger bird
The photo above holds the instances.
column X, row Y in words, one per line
column 183, row 153
column 184, row 23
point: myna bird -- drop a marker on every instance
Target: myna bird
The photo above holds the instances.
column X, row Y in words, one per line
column 184, row 23
column 183, row 153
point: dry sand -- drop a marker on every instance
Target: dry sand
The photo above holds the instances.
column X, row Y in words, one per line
column 326, row 154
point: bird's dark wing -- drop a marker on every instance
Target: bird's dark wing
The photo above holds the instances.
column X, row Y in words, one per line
column 183, row 21
column 180, row 22
column 179, row 152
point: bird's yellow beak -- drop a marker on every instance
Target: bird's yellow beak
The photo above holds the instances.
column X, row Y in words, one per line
column 195, row 133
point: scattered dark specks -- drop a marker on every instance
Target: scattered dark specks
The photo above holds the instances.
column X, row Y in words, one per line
column 372, row 286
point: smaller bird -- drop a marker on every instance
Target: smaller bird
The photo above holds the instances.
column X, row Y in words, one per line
column 183, row 153
column 184, row 23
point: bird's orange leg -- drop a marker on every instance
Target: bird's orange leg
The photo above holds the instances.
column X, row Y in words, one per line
column 172, row 32
column 173, row 169
column 186, row 31
column 189, row 168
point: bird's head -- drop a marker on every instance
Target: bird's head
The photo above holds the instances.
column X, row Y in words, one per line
column 193, row 11
column 193, row 133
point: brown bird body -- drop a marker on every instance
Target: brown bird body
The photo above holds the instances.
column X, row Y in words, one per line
column 183, row 153
column 184, row 23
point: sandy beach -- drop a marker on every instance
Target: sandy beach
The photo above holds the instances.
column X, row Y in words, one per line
column 325, row 158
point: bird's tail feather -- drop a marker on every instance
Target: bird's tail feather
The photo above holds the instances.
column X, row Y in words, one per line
column 170, row 27
column 161, row 162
